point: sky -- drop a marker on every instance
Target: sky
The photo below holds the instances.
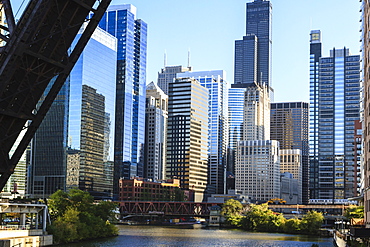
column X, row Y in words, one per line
column 209, row 28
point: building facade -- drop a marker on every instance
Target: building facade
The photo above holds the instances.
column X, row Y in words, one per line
column 91, row 113
column 365, row 18
column 289, row 126
column 156, row 132
column 253, row 53
column 131, row 33
column 291, row 162
column 315, row 55
column 187, row 135
column 215, row 82
column 257, row 171
column 168, row 75
column 338, row 109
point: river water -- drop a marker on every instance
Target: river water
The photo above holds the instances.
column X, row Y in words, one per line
column 171, row 236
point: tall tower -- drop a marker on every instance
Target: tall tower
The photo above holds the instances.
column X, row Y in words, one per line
column 215, row 82
column 131, row 33
column 168, row 75
column 315, row 55
column 289, row 126
column 366, row 117
column 337, row 110
column 156, row 132
column 256, row 47
column 187, row 135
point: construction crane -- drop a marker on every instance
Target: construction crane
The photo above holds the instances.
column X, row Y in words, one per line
column 35, row 60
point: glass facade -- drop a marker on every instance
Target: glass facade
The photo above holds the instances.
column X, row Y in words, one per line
column 256, row 43
column 337, row 110
column 131, row 36
column 91, row 112
column 289, row 126
column 215, row 82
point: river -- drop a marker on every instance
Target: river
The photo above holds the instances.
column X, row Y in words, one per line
column 171, row 236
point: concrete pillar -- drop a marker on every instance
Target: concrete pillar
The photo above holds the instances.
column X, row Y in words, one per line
column 37, row 221
column 22, row 220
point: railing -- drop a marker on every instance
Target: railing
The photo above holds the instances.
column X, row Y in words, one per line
column 15, row 227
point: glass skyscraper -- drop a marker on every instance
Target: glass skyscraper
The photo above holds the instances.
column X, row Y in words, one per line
column 253, row 53
column 215, row 82
column 131, row 34
column 337, row 109
column 91, row 112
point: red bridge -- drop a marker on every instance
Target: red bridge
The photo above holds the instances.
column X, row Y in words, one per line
column 166, row 208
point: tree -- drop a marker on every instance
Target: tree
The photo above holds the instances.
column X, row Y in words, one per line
column 231, row 208
column 76, row 217
column 260, row 218
column 292, row 226
column 311, row 222
column 354, row 212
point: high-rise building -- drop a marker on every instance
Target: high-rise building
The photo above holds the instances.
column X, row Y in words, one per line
column 47, row 171
column 338, row 107
column 315, row 55
column 131, row 33
column 253, row 53
column 289, row 126
column 91, row 112
column 291, row 162
column 156, row 132
column 187, row 135
column 257, row 171
column 168, row 75
column 257, row 162
column 215, row 82
column 366, row 112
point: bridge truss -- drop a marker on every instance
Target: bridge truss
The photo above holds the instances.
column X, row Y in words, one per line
column 35, row 60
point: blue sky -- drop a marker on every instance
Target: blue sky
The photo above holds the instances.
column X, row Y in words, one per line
column 208, row 28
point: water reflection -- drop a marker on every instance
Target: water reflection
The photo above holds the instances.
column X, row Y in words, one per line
column 169, row 236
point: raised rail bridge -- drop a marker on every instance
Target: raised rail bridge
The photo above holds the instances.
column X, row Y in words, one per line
column 34, row 64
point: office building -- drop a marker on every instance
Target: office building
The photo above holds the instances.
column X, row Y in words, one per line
column 131, row 33
column 289, row 188
column 338, row 108
column 92, row 113
column 168, row 75
column 187, row 135
column 365, row 27
column 156, row 132
column 315, row 55
column 47, row 171
column 253, row 53
column 257, row 171
column 289, row 126
column 291, row 162
column 215, row 82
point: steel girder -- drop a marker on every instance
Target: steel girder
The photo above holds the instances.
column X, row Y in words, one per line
column 37, row 56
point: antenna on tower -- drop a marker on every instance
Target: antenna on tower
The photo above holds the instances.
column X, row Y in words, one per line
column 165, row 58
column 189, row 57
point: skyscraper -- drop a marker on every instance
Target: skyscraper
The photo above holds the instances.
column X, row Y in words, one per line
column 215, row 82
column 91, row 112
column 156, row 132
column 253, row 53
column 365, row 169
column 289, row 126
column 187, row 135
column 131, row 33
column 315, row 55
column 338, row 107
column 168, row 75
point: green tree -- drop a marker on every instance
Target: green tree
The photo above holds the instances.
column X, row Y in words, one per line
column 292, row 226
column 231, row 208
column 260, row 218
column 76, row 217
column 311, row 222
column 354, row 212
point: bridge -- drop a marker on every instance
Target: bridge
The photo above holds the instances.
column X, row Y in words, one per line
column 34, row 64
column 203, row 208
column 166, row 208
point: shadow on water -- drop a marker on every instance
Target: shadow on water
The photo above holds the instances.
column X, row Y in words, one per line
column 170, row 236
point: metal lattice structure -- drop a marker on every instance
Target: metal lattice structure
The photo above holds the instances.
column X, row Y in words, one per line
column 37, row 56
